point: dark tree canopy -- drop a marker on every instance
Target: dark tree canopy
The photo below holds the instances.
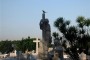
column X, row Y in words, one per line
column 77, row 36
column 20, row 45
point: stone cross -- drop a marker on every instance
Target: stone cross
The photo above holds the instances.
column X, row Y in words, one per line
column 36, row 41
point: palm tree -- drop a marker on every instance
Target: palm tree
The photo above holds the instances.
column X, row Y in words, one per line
column 55, row 35
column 59, row 21
column 60, row 24
column 70, row 35
column 67, row 23
column 81, row 21
column 75, row 35
column 87, row 23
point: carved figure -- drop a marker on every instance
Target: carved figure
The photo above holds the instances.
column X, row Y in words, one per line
column 45, row 27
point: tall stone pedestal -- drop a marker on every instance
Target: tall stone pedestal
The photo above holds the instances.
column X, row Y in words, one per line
column 43, row 50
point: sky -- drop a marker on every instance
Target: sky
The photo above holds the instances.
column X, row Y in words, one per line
column 20, row 18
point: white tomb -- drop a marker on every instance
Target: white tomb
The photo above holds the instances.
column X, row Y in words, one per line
column 82, row 56
column 13, row 54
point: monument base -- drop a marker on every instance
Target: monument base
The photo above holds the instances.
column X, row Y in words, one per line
column 42, row 56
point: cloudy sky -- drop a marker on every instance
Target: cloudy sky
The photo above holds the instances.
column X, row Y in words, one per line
column 20, row 18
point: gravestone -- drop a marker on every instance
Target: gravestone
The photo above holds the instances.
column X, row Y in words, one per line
column 36, row 41
column 58, row 48
column 82, row 56
column 13, row 54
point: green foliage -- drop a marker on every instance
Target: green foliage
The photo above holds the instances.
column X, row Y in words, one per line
column 25, row 44
column 20, row 45
column 6, row 46
column 77, row 36
column 55, row 35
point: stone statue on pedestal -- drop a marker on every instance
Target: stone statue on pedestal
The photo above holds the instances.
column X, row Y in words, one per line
column 46, row 31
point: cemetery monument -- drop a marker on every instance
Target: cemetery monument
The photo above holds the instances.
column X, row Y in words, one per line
column 46, row 38
column 46, row 33
column 58, row 48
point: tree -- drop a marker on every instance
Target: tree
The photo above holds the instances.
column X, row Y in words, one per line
column 87, row 23
column 25, row 44
column 55, row 35
column 20, row 45
column 81, row 21
column 75, row 35
column 6, row 46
